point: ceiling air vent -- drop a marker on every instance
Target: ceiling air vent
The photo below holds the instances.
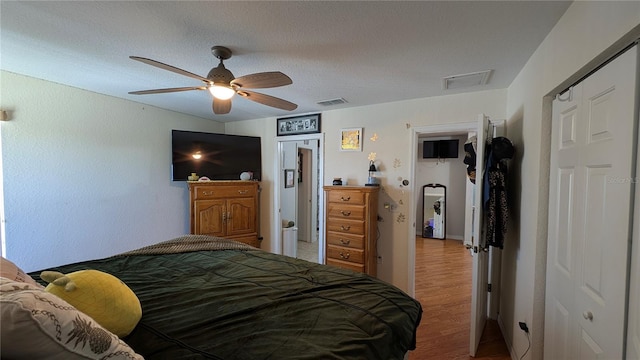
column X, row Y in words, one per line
column 466, row 80
column 332, row 102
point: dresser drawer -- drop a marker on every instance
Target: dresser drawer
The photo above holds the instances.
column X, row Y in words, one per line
column 346, row 197
column 355, row 227
column 346, row 240
column 345, row 254
column 346, row 265
column 218, row 192
column 355, row 212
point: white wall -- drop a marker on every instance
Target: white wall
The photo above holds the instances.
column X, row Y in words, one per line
column 585, row 30
column 87, row 175
column 451, row 173
column 392, row 124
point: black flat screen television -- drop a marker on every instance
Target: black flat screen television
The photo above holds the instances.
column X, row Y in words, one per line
column 430, row 149
column 216, row 156
column 440, row 149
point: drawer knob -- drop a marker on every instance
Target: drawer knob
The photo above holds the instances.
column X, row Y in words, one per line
column 207, row 193
column 243, row 191
column 345, row 213
column 587, row 315
column 345, row 242
column 345, row 228
column 342, row 255
column 345, row 198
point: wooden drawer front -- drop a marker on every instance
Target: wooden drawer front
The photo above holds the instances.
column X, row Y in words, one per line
column 355, row 227
column 218, row 192
column 346, row 265
column 345, row 254
column 355, row 212
column 346, row 197
column 346, row 240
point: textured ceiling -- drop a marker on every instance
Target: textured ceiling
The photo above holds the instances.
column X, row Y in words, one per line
column 365, row 52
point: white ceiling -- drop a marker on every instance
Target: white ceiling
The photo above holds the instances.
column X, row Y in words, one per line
column 365, row 52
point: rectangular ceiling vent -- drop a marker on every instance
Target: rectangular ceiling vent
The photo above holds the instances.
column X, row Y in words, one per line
column 332, row 102
column 466, row 80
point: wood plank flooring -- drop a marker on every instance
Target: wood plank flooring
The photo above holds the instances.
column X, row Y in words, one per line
column 443, row 287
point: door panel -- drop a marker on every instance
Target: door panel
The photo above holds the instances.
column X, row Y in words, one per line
column 561, row 344
column 240, row 216
column 564, row 245
column 209, row 217
column 480, row 264
column 589, row 217
column 563, row 229
column 633, row 327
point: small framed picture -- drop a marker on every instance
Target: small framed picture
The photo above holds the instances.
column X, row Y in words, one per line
column 289, row 178
column 306, row 124
column 351, row 139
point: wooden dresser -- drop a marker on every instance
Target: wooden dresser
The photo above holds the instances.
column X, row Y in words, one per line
column 351, row 227
column 227, row 209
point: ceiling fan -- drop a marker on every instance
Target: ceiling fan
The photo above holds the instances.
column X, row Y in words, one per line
column 223, row 85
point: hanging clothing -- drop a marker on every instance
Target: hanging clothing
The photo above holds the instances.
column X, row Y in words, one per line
column 495, row 190
column 470, row 158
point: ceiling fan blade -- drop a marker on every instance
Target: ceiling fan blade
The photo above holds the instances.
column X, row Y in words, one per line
column 168, row 90
column 262, row 80
column 268, row 100
column 169, row 68
column 221, row 107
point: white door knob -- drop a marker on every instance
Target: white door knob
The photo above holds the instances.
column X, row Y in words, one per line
column 588, row 315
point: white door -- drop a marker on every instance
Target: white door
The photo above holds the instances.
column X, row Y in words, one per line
column 480, row 257
column 633, row 327
column 589, row 215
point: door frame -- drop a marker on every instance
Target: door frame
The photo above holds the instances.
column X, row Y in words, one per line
column 278, row 181
column 411, row 224
column 447, row 129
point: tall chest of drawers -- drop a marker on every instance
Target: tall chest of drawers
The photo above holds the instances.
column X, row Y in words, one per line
column 351, row 227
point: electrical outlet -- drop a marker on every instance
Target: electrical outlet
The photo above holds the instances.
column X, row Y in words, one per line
column 379, row 259
column 523, row 326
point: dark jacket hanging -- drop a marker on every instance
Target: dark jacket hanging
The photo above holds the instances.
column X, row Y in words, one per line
column 495, row 190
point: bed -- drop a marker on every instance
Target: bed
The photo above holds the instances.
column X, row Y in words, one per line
column 211, row 298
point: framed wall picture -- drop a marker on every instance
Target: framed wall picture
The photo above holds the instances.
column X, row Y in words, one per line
column 289, row 178
column 306, row 124
column 351, row 139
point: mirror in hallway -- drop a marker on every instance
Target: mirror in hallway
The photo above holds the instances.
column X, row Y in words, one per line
column 433, row 211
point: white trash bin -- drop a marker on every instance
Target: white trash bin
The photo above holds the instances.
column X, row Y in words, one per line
column 290, row 241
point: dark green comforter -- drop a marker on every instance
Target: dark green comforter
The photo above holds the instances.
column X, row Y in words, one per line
column 251, row 304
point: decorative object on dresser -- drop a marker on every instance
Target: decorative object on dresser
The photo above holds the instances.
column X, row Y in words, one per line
column 226, row 209
column 351, row 227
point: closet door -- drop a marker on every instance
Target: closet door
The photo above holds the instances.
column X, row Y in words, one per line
column 590, row 204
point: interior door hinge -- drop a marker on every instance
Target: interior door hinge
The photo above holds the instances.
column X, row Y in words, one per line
column 488, row 287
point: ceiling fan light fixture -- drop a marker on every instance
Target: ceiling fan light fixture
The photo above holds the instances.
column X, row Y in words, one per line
column 221, row 92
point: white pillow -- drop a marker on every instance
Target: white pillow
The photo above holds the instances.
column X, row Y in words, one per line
column 39, row 325
column 11, row 271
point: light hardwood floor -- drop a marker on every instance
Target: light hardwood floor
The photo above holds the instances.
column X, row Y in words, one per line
column 443, row 287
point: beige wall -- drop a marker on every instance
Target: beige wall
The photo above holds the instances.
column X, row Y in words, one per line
column 585, row 31
column 53, row 122
column 86, row 175
column 392, row 123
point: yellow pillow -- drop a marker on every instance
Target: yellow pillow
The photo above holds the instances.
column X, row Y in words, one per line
column 103, row 297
